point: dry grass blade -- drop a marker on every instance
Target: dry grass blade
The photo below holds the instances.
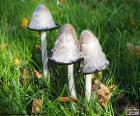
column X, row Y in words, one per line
column 25, row 76
column 67, row 99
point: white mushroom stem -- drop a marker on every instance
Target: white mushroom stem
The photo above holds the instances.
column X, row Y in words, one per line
column 88, row 86
column 71, row 81
column 58, row 2
column 44, row 53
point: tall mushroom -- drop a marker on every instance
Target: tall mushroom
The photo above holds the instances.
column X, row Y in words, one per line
column 66, row 51
column 94, row 58
column 42, row 21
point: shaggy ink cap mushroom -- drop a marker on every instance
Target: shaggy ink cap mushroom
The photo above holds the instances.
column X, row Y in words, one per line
column 94, row 58
column 42, row 19
column 66, row 48
column 66, row 51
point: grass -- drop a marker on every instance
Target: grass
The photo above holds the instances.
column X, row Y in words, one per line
column 114, row 22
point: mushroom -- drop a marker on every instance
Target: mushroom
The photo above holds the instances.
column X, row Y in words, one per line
column 94, row 58
column 42, row 21
column 66, row 51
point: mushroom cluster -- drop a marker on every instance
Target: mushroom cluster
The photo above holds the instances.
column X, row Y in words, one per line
column 67, row 50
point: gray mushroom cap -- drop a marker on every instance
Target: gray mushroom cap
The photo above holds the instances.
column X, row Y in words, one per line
column 94, row 58
column 66, row 48
column 42, row 19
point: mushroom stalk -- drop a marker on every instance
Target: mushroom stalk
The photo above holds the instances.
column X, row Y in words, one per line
column 88, row 86
column 44, row 53
column 71, row 81
column 58, row 2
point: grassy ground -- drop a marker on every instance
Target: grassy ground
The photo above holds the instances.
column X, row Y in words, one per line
column 114, row 22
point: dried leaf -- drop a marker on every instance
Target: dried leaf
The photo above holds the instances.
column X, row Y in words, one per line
column 102, row 92
column 67, row 99
column 36, row 106
column 24, row 76
column 37, row 74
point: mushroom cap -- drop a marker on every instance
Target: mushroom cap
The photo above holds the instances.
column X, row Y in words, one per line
column 42, row 19
column 66, row 48
column 94, row 58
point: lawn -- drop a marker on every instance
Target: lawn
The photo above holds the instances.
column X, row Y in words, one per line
column 115, row 22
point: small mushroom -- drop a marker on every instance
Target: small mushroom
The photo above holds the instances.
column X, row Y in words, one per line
column 66, row 51
column 94, row 58
column 42, row 21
